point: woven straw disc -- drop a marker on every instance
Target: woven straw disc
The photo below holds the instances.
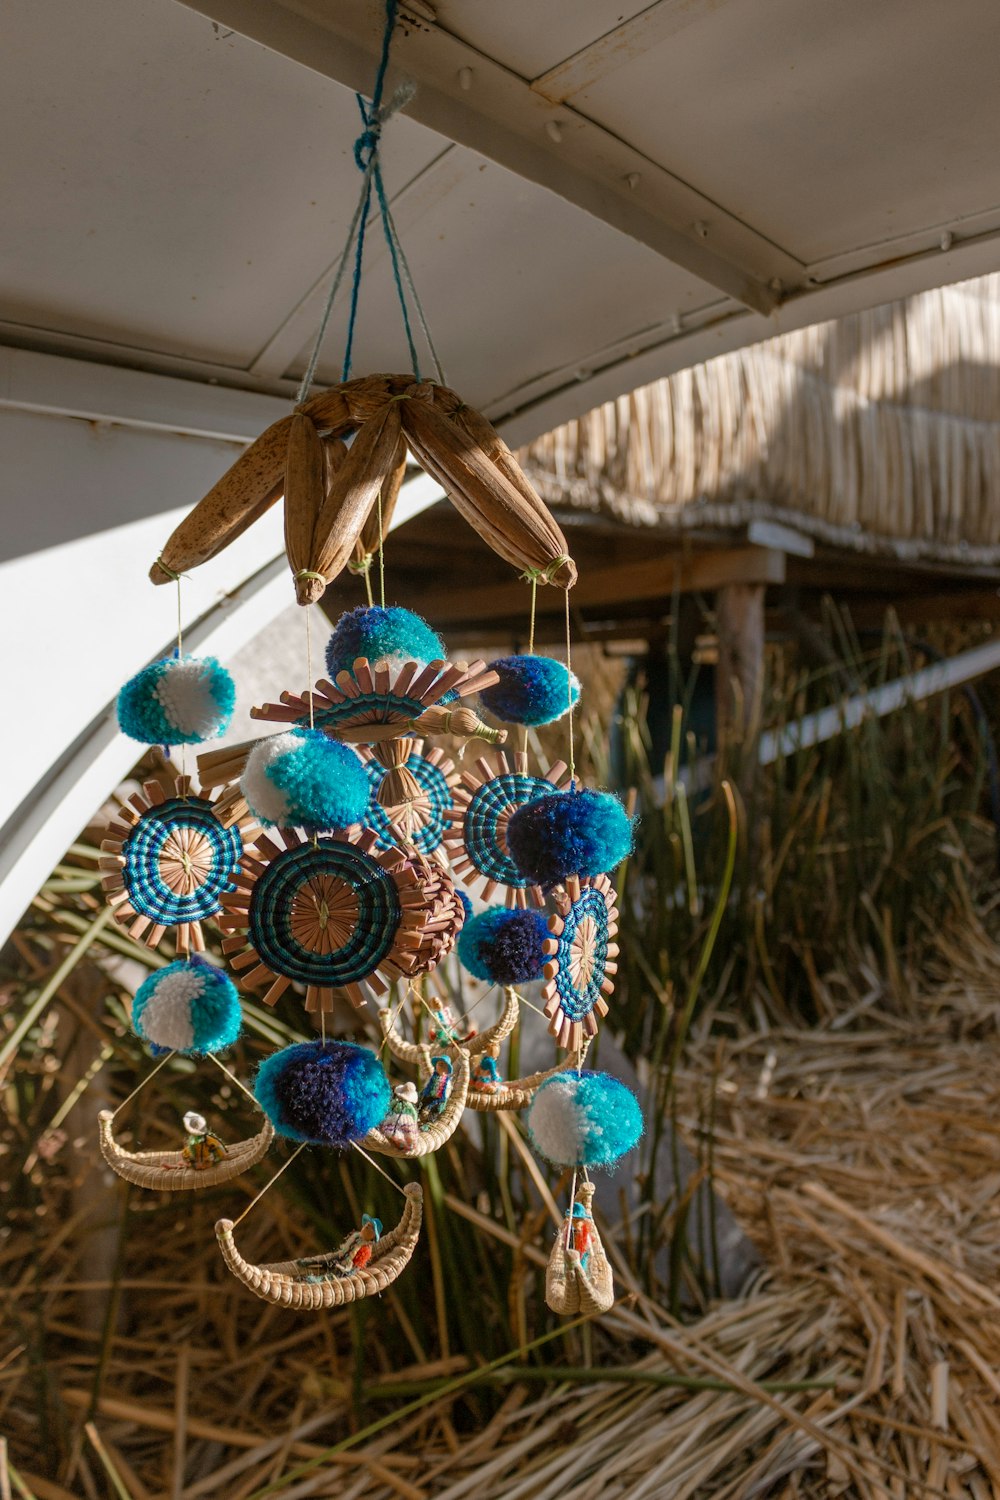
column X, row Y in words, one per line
column 485, row 799
column 581, row 958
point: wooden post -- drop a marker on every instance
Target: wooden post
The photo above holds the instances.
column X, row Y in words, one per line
column 739, row 614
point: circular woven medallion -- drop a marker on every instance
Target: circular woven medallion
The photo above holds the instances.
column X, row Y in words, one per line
column 486, row 799
column 324, row 914
column 173, row 858
column 581, row 958
column 331, row 914
column 417, row 817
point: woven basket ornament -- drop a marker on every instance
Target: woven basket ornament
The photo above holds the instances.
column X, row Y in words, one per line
column 330, row 914
column 582, row 955
column 576, row 1283
column 330, row 492
column 305, row 1285
column 169, row 859
column 484, row 801
column 171, row 1171
column 413, row 789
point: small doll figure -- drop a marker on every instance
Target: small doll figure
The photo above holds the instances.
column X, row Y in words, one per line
column 487, row 1077
column 434, row 1094
column 446, row 1027
column 578, row 1236
column 400, row 1125
column 349, row 1257
column 202, row 1148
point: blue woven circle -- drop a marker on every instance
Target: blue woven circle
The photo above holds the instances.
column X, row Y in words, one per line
column 299, row 878
column 481, row 827
column 433, row 783
column 154, row 840
column 577, row 1001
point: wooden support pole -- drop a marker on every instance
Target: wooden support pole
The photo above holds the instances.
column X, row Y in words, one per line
column 739, row 613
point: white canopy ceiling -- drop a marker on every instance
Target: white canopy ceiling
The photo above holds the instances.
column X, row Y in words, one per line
column 635, row 188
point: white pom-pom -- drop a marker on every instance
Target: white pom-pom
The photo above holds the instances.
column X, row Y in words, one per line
column 167, row 1020
column 187, row 694
column 264, row 799
column 558, row 1125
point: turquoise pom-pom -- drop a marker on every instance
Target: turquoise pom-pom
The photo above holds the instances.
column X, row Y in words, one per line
column 504, row 946
column 328, row 1093
column 180, row 700
column 569, row 833
column 303, row 779
column 392, row 634
column 190, row 1007
column 584, row 1120
column 531, row 690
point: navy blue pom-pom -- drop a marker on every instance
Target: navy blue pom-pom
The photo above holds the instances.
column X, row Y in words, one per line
column 504, row 946
column 531, row 690
column 569, row 833
column 329, row 1093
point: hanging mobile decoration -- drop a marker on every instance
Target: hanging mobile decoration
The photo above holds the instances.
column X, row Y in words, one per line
column 581, row 954
column 169, row 858
column 353, row 887
column 486, row 799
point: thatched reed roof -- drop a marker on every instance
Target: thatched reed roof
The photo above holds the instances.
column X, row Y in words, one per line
column 879, row 432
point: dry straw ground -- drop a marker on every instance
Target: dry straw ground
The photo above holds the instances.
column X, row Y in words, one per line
column 860, row 1156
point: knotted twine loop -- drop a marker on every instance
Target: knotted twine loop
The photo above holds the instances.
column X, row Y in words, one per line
column 309, row 573
column 545, row 575
column 174, row 577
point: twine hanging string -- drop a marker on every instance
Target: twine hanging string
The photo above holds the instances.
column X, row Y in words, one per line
column 569, row 699
column 140, row 1086
column 268, row 1186
column 233, row 1079
column 373, row 1163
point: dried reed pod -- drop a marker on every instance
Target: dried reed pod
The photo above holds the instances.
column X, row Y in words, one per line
column 170, row 1171
column 485, row 799
column 582, row 957
column 432, row 1137
column 317, row 1281
column 413, row 785
column 169, row 858
column 386, row 413
column 333, row 914
column 571, row 1287
column 376, row 528
column 248, row 489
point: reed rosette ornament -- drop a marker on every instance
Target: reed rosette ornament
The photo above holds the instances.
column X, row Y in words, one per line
column 582, row 954
column 369, row 705
column 332, row 914
column 485, row 800
column 337, row 498
column 169, row 858
column 413, row 786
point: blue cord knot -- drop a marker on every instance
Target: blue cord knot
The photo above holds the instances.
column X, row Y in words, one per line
column 366, row 145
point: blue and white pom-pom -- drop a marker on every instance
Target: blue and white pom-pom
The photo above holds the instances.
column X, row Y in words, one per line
column 393, row 635
column 504, row 946
column 190, row 1007
column 180, row 700
column 531, row 690
column 569, row 833
column 303, row 779
column 584, row 1120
